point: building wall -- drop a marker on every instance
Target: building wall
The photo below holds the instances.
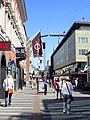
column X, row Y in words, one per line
column 88, row 70
column 74, row 49
column 82, row 45
column 66, row 54
column 11, row 29
column 28, row 62
column 2, row 9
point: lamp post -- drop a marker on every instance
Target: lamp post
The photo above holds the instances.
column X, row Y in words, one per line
column 44, row 57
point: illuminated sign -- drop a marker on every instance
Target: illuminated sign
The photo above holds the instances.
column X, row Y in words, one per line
column 5, row 45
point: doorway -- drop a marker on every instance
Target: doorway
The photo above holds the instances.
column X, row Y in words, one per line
column 2, row 74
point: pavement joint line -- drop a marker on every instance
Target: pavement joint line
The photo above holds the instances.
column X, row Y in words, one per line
column 36, row 109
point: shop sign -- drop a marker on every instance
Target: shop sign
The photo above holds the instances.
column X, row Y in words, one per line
column 20, row 53
column 5, row 45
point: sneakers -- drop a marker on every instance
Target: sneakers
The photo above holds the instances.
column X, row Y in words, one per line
column 65, row 111
column 9, row 104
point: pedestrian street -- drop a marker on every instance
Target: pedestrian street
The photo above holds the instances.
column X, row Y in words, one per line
column 28, row 105
column 21, row 108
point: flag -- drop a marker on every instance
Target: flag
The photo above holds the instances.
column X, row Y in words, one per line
column 37, row 46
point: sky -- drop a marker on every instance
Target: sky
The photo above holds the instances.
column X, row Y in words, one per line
column 53, row 17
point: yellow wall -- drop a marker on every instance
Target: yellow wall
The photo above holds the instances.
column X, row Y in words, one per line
column 82, row 58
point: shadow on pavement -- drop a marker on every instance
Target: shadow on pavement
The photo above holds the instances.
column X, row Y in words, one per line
column 23, row 116
column 82, row 91
column 80, row 109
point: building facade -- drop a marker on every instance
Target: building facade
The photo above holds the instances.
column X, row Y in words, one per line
column 28, row 61
column 69, row 57
column 12, row 39
column 88, row 66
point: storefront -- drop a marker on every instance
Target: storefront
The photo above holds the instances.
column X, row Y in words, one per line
column 7, row 63
column 20, row 55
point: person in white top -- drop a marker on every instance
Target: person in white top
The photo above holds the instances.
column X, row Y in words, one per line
column 8, row 83
column 59, row 87
column 76, row 82
column 66, row 95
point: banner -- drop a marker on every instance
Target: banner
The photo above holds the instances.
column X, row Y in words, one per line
column 37, row 46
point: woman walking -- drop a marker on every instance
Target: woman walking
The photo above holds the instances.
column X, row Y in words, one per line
column 8, row 85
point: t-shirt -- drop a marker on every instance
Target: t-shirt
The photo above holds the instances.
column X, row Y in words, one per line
column 64, row 88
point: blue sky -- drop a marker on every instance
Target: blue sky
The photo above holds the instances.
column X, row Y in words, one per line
column 53, row 16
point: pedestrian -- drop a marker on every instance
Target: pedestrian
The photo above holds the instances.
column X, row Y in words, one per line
column 66, row 91
column 8, row 85
column 32, row 85
column 59, row 87
column 45, row 86
column 53, row 85
column 50, row 83
column 76, row 82
column 24, row 82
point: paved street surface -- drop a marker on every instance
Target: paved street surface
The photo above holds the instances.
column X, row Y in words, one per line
column 21, row 108
column 27, row 105
column 52, row 109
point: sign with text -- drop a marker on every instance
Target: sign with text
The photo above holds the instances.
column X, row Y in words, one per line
column 20, row 53
column 5, row 45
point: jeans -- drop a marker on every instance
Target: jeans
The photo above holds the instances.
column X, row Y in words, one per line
column 66, row 103
column 6, row 98
column 10, row 98
column 59, row 92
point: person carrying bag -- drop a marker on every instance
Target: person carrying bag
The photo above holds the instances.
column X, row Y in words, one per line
column 67, row 85
column 70, row 95
column 8, row 85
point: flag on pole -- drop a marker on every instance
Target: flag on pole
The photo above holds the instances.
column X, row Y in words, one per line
column 37, row 46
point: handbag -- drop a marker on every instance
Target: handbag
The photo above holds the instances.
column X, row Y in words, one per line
column 71, row 98
column 10, row 91
column 70, row 95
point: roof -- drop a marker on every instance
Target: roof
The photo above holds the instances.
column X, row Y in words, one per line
column 76, row 25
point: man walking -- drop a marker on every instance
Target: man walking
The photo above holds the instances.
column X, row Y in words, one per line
column 66, row 91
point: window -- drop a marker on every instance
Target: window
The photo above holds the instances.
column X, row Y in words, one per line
column 82, row 51
column 83, row 39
